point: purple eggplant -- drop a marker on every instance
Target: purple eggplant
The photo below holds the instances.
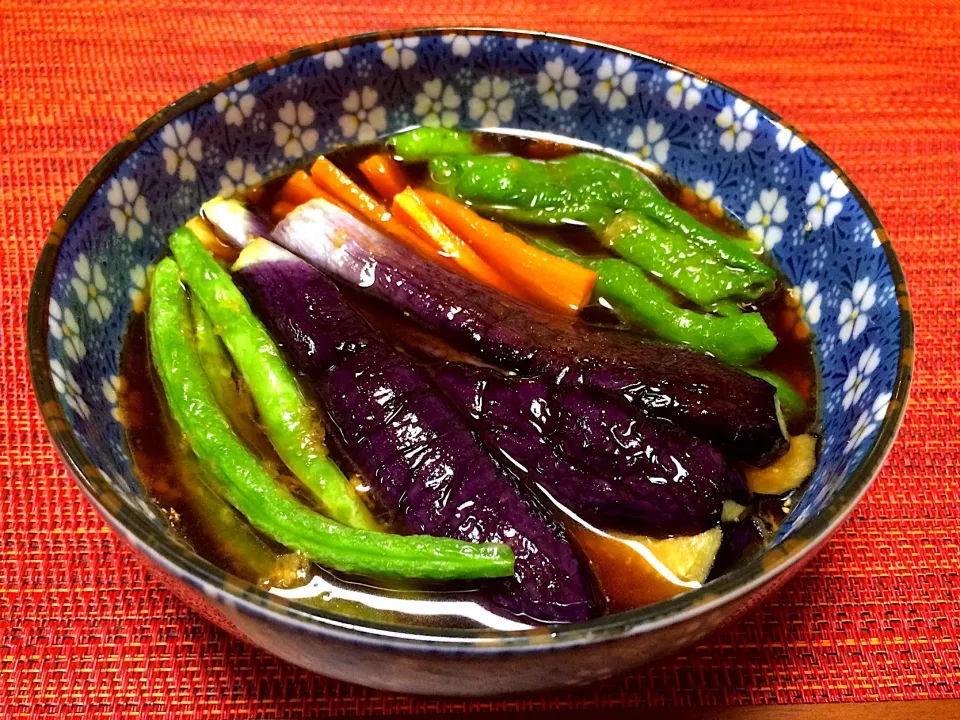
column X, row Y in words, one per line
column 730, row 408
column 740, row 540
column 594, row 453
column 408, row 440
column 234, row 222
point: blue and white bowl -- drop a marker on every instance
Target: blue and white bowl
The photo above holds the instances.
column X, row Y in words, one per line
column 733, row 153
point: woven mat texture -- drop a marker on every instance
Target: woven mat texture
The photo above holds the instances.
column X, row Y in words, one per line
column 85, row 631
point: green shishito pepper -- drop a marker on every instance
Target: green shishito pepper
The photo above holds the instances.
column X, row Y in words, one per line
column 266, row 504
column 739, row 338
column 216, row 363
column 688, row 268
column 294, row 428
column 791, row 402
column 613, row 199
column 245, row 552
column 424, row 143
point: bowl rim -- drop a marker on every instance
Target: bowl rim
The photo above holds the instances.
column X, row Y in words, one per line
column 170, row 555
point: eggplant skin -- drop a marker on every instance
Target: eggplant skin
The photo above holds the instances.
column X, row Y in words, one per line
column 412, row 444
column 732, row 409
column 596, row 454
column 740, row 539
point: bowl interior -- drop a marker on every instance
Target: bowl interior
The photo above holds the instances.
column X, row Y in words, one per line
column 734, row 156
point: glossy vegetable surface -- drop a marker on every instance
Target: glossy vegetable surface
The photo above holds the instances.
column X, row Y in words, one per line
column 707, row 397
column 596, row 454
column 737, row 338
column 409, row 442
column 294, row 428
column 266, row 504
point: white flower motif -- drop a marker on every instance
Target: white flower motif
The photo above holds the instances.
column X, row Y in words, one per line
column 684, row 89
column 364, row 118
column 787, row 139
column 490, row 103
column 437, row 104
column 399, row 52
column 524, row 42
column 112, row 387
column 66, row 384
column 64, row 327
column 616, row 82
column 239, row 176
column 858, row 379
column 703, row 195
column 765, row 217
column 650, row 143
column 293, row 132
column 862, row 430
column 461, row 45
column 128, row 209
column 138, row 288
column 91, row 288
column 811, row 298
column 182, row 150
column 236, row 103
column 825, row 199
column 738, row 123
column 557, row 84
column 334, row 58
column 853, row 310
column 880, row 404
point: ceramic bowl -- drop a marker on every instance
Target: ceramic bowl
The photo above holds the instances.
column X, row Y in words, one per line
column 732, row 153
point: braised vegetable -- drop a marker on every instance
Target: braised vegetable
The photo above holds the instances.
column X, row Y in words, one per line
column 791, row 401
column 300, row 188
column 294, row 428
column 691, row 270
column 333, row 180
column 788, row 471
column 424, row 143
column 410, row 444
column 281, row 209
column 267, row 505
column 739, row 540
column 248, row 554
column 596, row 454
column 588, row 189
column 226, row 252
column 213, row 357
column 411, row 210
column 551, row 282
column 235, row 224
column 739, row 339
column 710, row 399
column 385, row 174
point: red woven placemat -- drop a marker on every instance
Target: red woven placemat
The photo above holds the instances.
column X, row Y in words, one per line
column 84, row 630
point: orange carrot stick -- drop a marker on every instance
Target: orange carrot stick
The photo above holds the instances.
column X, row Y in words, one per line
column 385, row 174
column 281, row 209
column 336, row 182
column 300, row 188
column 408, row 207
column 553, row 282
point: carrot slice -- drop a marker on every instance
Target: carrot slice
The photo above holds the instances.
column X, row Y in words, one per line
column 300, row 188
column 385, row 174
column 554, row 282
column 281, row 209
column 336, row 182
column 408, row 207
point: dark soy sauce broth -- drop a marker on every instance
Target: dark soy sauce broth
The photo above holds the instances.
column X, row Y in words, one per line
column 622, row 575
